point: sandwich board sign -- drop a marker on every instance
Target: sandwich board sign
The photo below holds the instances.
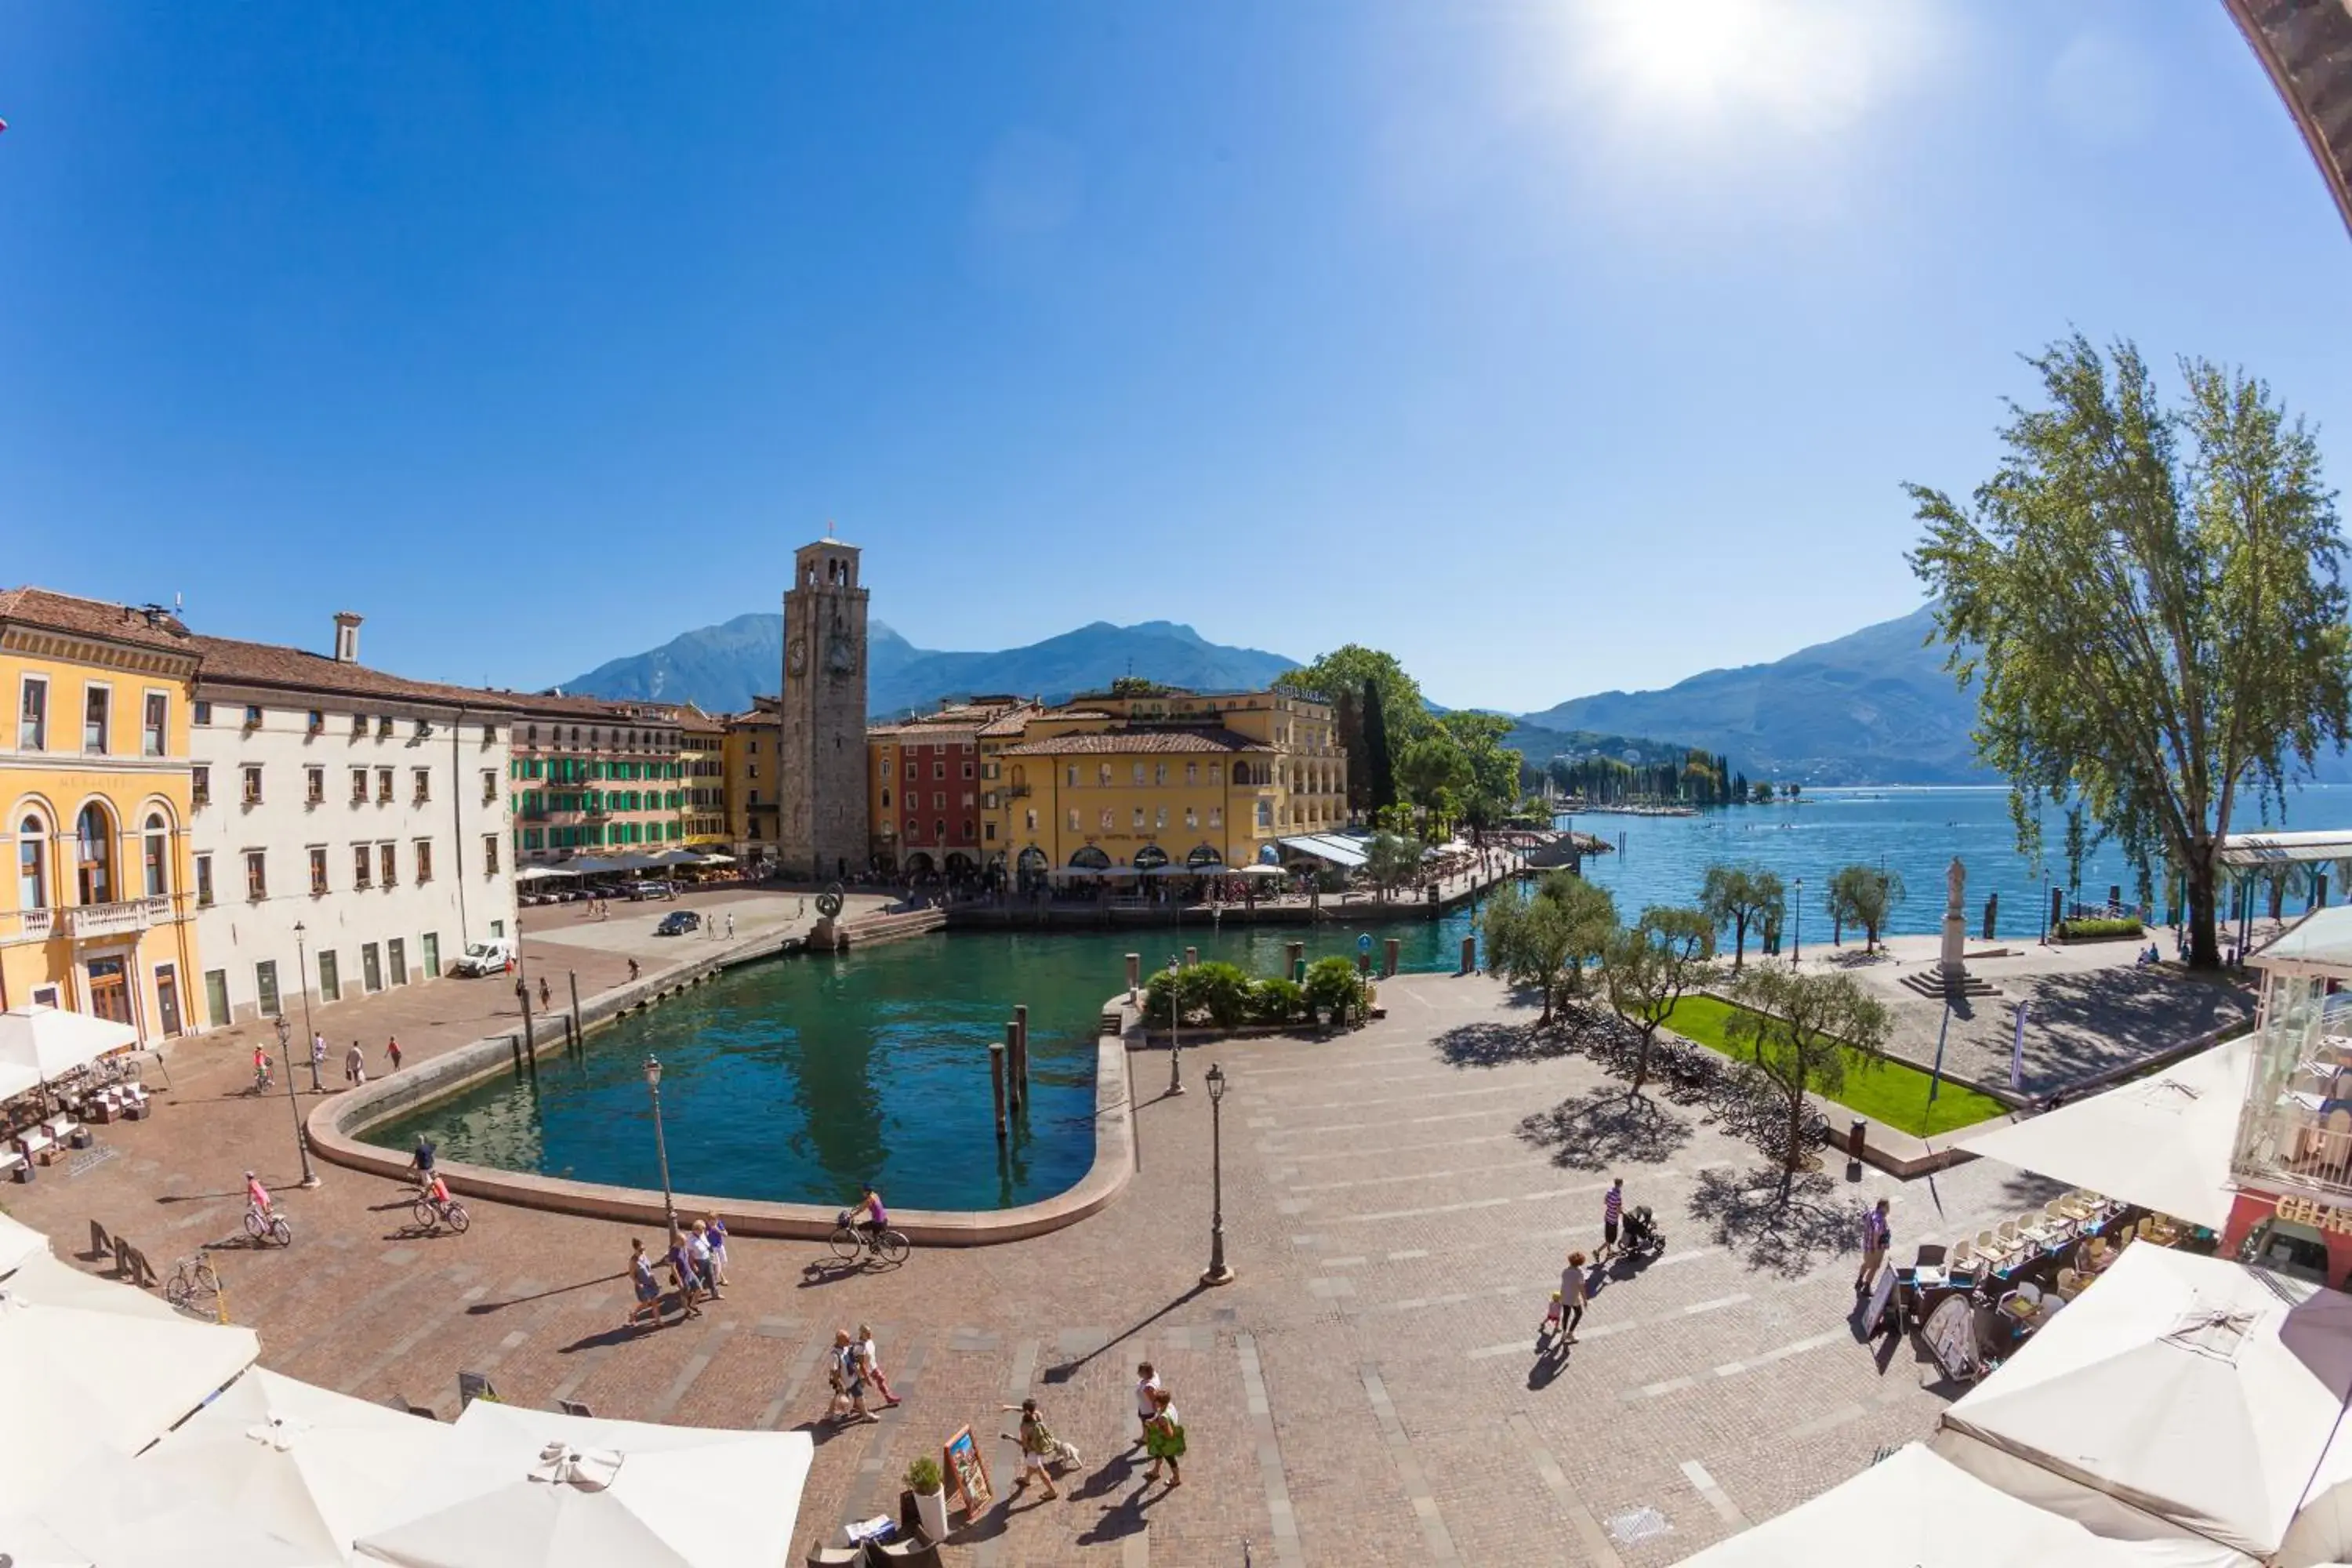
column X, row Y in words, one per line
column 1951, row 1331
column 968, row 1487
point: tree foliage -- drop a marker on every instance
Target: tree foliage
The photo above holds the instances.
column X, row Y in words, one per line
column 1548, row 938
column 1339, row 677
column 1391, row 861
column 2150, row 601
column 1377, row 760
column 1865, row 896
column 1334, row 990
column 1646, row 968
column 1798, row 1031
column 1739, row 896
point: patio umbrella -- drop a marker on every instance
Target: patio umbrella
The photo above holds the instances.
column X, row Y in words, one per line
column 54, row 1040
column 310, row 1467
column 524, row 1487
column 112, row 1511
column 19, row 1241
column 46, row 1281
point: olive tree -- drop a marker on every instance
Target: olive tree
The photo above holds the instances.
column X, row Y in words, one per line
column 1550, row 937
column 1803, row 1031
column 1865, row 896
column 1648, row 966
column 1739, row 896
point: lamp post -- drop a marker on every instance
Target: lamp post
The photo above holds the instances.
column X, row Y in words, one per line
column 1218, row 1273
column 301, row 1144
column 661, row 1149
column 1175, row 1029
column 1797, row 942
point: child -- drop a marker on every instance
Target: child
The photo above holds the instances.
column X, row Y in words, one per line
column 1550, row 1324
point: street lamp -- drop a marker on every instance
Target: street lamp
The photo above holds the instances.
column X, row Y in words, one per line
column 1175, row 1029
column 1796, row 943
column 301, row 1144
column 661, row 1149
column 1218, row 1273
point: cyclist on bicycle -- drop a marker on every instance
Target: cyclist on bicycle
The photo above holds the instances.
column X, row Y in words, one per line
column 436, row 1191
column 869, row 1215
column 258, row 1195
column 420, row 1169
column 261, row 1068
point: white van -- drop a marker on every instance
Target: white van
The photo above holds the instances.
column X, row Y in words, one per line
column 489, row 957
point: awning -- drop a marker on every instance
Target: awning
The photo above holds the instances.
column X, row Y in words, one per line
column 1332, row 848
column 2321, row 939
column 1250, row 871
column 541, row 873
column 2161, row 1141
column 2242, row 850
column 51, row 1041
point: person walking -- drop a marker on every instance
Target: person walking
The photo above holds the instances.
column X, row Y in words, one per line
column 1613, row 1215
column 1878, row 1236
column 318, row 1062
column 681, row 1273
column 716, row 1228
column 1036, row 1446
column 1147, row 1385
column 355, row 1066
column 731, row 925
column 1572, row 1295
column 848, row 1376
column 647, row 1287
column 697, row 1252
column 633, row 971
column 873, row 1359
column 392, row 1050
column 1164, row 1440
column 543, row 993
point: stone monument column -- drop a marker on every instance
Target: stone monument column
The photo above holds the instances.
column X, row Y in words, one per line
column 1952, row 970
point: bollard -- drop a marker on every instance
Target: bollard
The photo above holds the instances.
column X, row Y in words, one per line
column 514, row 1043
column 996, row 1082
column 1294, row 960
column 1856, row 1137
column 1013, row 1073
column 1134, row 975
column 1992, row 913
column 1469, row 955
column 2057, row 906
column 576, row 1029
column 1021, row 1022
column 1191, row 956
column 1389, row 957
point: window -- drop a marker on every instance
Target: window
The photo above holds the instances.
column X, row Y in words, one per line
column 94, row 718
column 938, row 833
column 388, row 863
column 1216, row 813
column 911, row 769
column 1106, row 819
column 1139, row 817
column 423, row 729
column 1073, row 775
column 200, row 785
column 1191, row 773
column 318, row 869
column 359, row 786
column 330, row 980
column 383, row 785
column 489, row 854
column 316, row 723
column 423, row 861
column 383, row 727
column 939, row 770
column 253, row 715
column 1074, row 819
column 886, row 799
column 94, row 855
column 314, row 784
column 32, row 865
column 967, row 800
column 204, row 881
column 1191, row 817
column 1030, row 824
column 257, row 874
column 265, row 984
column 967, row 770
column 362, row 867
column 1103, row 774
column 1160, row 817
column 1159, row 773
column 252, row 775
column 1138, row 772
column 1265, row 815
column 358, row 726
column 155, row 855
column 938, row 800
column 204, row 713
column 423, row 780
column 154, row 724
column 490, row 786
column 33, row 715
column 395, row 958
column 1216, row 772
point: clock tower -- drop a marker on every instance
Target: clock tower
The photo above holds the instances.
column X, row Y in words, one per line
column 821, row 829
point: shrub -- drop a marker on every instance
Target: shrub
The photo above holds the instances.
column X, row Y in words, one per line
column 2099, row 930
column 1334, row 990
column 923, row 1476
column 1276, row 1001
column 1210, row 993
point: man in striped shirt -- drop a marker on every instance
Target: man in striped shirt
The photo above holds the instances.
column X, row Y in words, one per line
column 1612, row 1212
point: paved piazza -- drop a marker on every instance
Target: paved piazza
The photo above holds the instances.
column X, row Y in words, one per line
column 1363, row 1394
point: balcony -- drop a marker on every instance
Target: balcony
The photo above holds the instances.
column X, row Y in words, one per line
column 127, row 918
column 2294, row 1130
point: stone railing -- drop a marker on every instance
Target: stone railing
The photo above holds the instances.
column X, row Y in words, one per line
column 118, row 919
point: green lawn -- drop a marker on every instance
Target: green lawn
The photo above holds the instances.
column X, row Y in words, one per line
column 1887, row 1091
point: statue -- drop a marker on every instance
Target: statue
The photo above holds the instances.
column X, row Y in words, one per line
column 1956, row 879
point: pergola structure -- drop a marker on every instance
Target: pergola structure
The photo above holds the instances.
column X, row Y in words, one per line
column 2306, row 47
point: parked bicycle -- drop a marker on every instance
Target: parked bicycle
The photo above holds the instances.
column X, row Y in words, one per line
column 854, row 1243
column 432, row 1213
column 267, row 1228
column 193, row 1281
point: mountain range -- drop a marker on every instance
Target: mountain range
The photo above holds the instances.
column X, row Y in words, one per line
column 1875, row 706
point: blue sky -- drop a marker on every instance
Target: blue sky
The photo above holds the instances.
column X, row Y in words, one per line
column 1550, row 349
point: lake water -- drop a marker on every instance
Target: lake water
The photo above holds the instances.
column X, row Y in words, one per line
column 798, row 1078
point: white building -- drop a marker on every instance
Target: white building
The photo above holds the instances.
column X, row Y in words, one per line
column 366, row 815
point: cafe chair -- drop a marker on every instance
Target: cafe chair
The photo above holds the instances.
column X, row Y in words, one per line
column 2070, row 1284
column 837, row 1557
column 914, row 1553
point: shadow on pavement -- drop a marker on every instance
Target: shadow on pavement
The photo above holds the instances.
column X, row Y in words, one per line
column 1604, row 1127
column 1787, row 1236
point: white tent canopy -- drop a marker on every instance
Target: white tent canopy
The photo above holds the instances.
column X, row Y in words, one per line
column 2201, row 1392
column 113, row 1511
column 116, row 1379
column 2162, row 1141
column 52, row 1041
column 313, row 1468
column 46, row 1281
column 527, row 1486
column 19, row 1241
column 1915, row 1510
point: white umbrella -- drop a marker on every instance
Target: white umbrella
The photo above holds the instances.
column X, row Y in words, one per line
column 526, row 1487
column 54, row 1040
column 717, row 857
column 19, row 1241
column 104, row 1379
column 311, row 1467
column 46, row 1281
column 111, row 1512
column 2161, row 1141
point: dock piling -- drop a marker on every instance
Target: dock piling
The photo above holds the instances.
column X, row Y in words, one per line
column 996, row 1082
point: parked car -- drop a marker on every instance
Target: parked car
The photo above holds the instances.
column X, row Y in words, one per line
column 485, row 957
column 642, row 890
column 678, row 923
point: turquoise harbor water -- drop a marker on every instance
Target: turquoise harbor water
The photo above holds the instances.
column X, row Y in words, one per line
column 796, row 1079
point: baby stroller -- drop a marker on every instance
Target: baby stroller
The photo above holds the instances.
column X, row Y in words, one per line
column 1640, row 1236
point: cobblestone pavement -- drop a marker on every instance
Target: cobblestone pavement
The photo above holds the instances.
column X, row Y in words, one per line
column 1364, row 1392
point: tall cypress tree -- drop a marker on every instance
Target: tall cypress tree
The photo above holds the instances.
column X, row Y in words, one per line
column 1380, row 766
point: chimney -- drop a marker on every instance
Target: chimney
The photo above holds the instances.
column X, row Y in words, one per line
column 347, row 637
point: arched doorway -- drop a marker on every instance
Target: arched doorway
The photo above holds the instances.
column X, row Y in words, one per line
column 1092, row 857
column 1151, row 857
column 959, row 863
column 1205, row 855
column 920, row 863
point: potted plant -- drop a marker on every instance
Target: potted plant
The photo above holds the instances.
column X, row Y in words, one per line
column 930, row 1496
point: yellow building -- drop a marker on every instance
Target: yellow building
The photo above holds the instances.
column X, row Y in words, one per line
column 101, row 912
column 752, row 752
column 702, row 757
column 1145, row 776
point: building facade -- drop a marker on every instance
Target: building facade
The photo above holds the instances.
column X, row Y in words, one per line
column 94, row 781
column 591, row 774
column 351, row 828
column 822, row 824
column 924, row 793
column 702, row 767
column 754, row 755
